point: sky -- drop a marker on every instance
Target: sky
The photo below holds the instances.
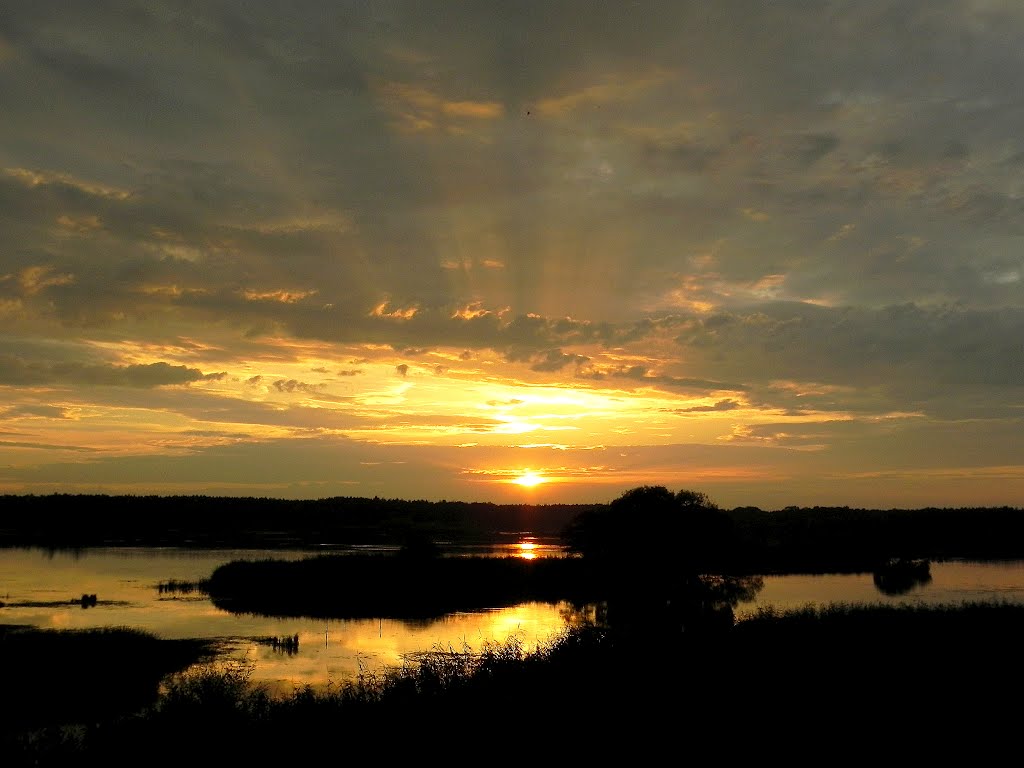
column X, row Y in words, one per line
column 517, row 252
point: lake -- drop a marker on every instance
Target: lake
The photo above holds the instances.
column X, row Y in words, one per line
column 38, row 586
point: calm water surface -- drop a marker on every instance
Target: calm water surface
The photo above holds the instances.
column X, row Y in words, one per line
column 951, row 582
column 37, row 587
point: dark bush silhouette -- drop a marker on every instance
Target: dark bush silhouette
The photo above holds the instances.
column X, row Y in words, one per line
column 663, row 557
column 898, row 575
column 651, row 530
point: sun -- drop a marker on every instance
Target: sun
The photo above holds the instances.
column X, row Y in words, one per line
column 529, row 479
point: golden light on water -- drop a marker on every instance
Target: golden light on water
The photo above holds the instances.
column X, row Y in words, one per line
column 527, row 550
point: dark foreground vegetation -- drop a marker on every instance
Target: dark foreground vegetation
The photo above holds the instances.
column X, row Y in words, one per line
column 663, row 670
column 73, row 676
column 876, row 683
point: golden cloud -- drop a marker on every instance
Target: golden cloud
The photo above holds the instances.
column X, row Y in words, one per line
column 32, row 178
column 480, row 110
column 613, row 90
column 416, row 109
column 35, row 279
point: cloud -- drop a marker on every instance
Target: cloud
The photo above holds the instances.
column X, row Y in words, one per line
column 721, row 405
column 811, row 147
column 285, row 297
column 643, row 374
column 612, row 89
column 480, row 110
column 418, row 109
column 42, row 178
column 556, row 360
column 683, row 154
column 402, row 370
column 16, row 371
column 34, row 411
column 291, row 385
column 52, row 448
column 905, row 353
column 34, row 280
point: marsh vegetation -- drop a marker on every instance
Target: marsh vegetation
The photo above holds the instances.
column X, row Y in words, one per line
column 823, row 672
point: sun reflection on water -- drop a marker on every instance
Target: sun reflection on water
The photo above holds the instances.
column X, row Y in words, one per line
column 527, row 550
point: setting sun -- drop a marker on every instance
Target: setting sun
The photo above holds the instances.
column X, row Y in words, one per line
column 529, row 479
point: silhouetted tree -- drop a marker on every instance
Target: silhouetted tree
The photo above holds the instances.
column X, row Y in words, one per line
column 656, row 551
column 651, row 529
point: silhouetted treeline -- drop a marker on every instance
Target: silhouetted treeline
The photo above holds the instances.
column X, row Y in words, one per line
column 72, row 520
column 650, row 529
column 809, row 539
column 838, row 539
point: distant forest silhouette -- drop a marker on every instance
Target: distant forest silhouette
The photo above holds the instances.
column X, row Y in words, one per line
column 793, row 539
column 214, row 521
